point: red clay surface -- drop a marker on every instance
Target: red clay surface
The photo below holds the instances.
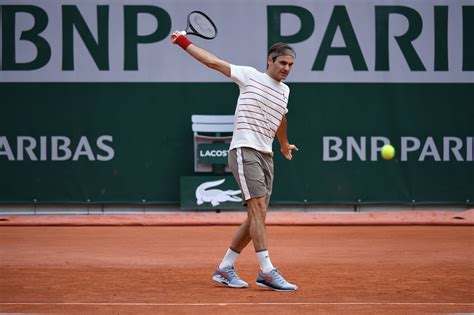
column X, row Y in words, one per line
column 167, row 269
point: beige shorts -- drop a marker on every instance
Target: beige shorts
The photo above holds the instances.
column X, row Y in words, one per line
column 253, row 171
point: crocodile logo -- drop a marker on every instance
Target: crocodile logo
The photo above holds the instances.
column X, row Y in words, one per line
column 215, row 196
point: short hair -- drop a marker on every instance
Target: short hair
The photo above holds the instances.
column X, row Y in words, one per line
column 280, row 49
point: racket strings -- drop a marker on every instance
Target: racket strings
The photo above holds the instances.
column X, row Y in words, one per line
column 202, row 25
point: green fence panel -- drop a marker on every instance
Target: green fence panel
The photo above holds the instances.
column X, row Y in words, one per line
column 96, row 102
column 147, row 142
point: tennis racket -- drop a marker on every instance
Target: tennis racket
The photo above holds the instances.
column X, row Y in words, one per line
column 199, row 24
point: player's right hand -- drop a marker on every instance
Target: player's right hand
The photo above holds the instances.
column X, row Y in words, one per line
column 174, row 36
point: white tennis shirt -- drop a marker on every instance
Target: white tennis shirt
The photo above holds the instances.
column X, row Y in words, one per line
column 260, row 108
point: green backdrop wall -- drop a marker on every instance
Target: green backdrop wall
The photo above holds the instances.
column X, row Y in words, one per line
column 96, row 102
column 150, row 125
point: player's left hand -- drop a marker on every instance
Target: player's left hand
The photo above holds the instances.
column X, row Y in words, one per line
column 286, row 150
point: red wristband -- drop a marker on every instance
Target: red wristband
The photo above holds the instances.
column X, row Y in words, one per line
column 183, row 41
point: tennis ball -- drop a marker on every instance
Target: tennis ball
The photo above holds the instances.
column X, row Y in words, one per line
column 388, row 152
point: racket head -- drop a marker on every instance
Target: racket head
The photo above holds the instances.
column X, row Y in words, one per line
column 199, row 24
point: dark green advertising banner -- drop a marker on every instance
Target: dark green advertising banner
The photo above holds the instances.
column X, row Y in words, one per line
column 96, row 102
column 129, row 143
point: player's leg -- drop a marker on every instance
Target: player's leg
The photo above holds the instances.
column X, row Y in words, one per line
column 238, row 243
column 257, row 212
column 246, row 166
column 249, row 167
column 269, row 276
column 241, row 237
column 225, row 272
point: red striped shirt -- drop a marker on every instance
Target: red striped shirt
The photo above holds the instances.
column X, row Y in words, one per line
column 260, row 108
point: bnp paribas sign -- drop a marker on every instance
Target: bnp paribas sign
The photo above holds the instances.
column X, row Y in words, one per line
column 342, row 41
column 409, row 148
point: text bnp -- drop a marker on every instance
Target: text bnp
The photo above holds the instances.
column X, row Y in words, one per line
column 96, row 37
column 443, row 149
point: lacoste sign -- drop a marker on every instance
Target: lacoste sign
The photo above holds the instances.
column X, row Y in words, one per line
column 210, row 192
column 213, row 153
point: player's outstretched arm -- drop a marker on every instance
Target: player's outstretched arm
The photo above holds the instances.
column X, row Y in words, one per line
column 200, row 54
column 285, row 147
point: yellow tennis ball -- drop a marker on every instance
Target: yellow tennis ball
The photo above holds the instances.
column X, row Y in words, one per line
column 388, row 152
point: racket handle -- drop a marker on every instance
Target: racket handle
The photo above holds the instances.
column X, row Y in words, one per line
column 183, row 32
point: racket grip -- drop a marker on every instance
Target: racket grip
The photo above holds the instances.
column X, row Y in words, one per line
column 183, row 32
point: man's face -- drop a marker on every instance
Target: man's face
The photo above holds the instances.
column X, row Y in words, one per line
column 280, row 68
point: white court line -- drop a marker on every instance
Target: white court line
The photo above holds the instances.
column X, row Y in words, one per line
column 237, row 304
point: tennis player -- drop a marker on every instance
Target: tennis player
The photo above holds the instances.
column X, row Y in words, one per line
column 259, row 116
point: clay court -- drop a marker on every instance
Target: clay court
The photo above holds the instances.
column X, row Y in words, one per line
column 353, row 269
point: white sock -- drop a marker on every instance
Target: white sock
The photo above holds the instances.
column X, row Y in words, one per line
column 229, row 259
column 265, row 262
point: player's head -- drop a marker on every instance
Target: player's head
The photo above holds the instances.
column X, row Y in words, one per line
column 280, row 59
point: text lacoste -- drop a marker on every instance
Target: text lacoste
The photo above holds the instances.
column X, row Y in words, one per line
column 213, row 153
